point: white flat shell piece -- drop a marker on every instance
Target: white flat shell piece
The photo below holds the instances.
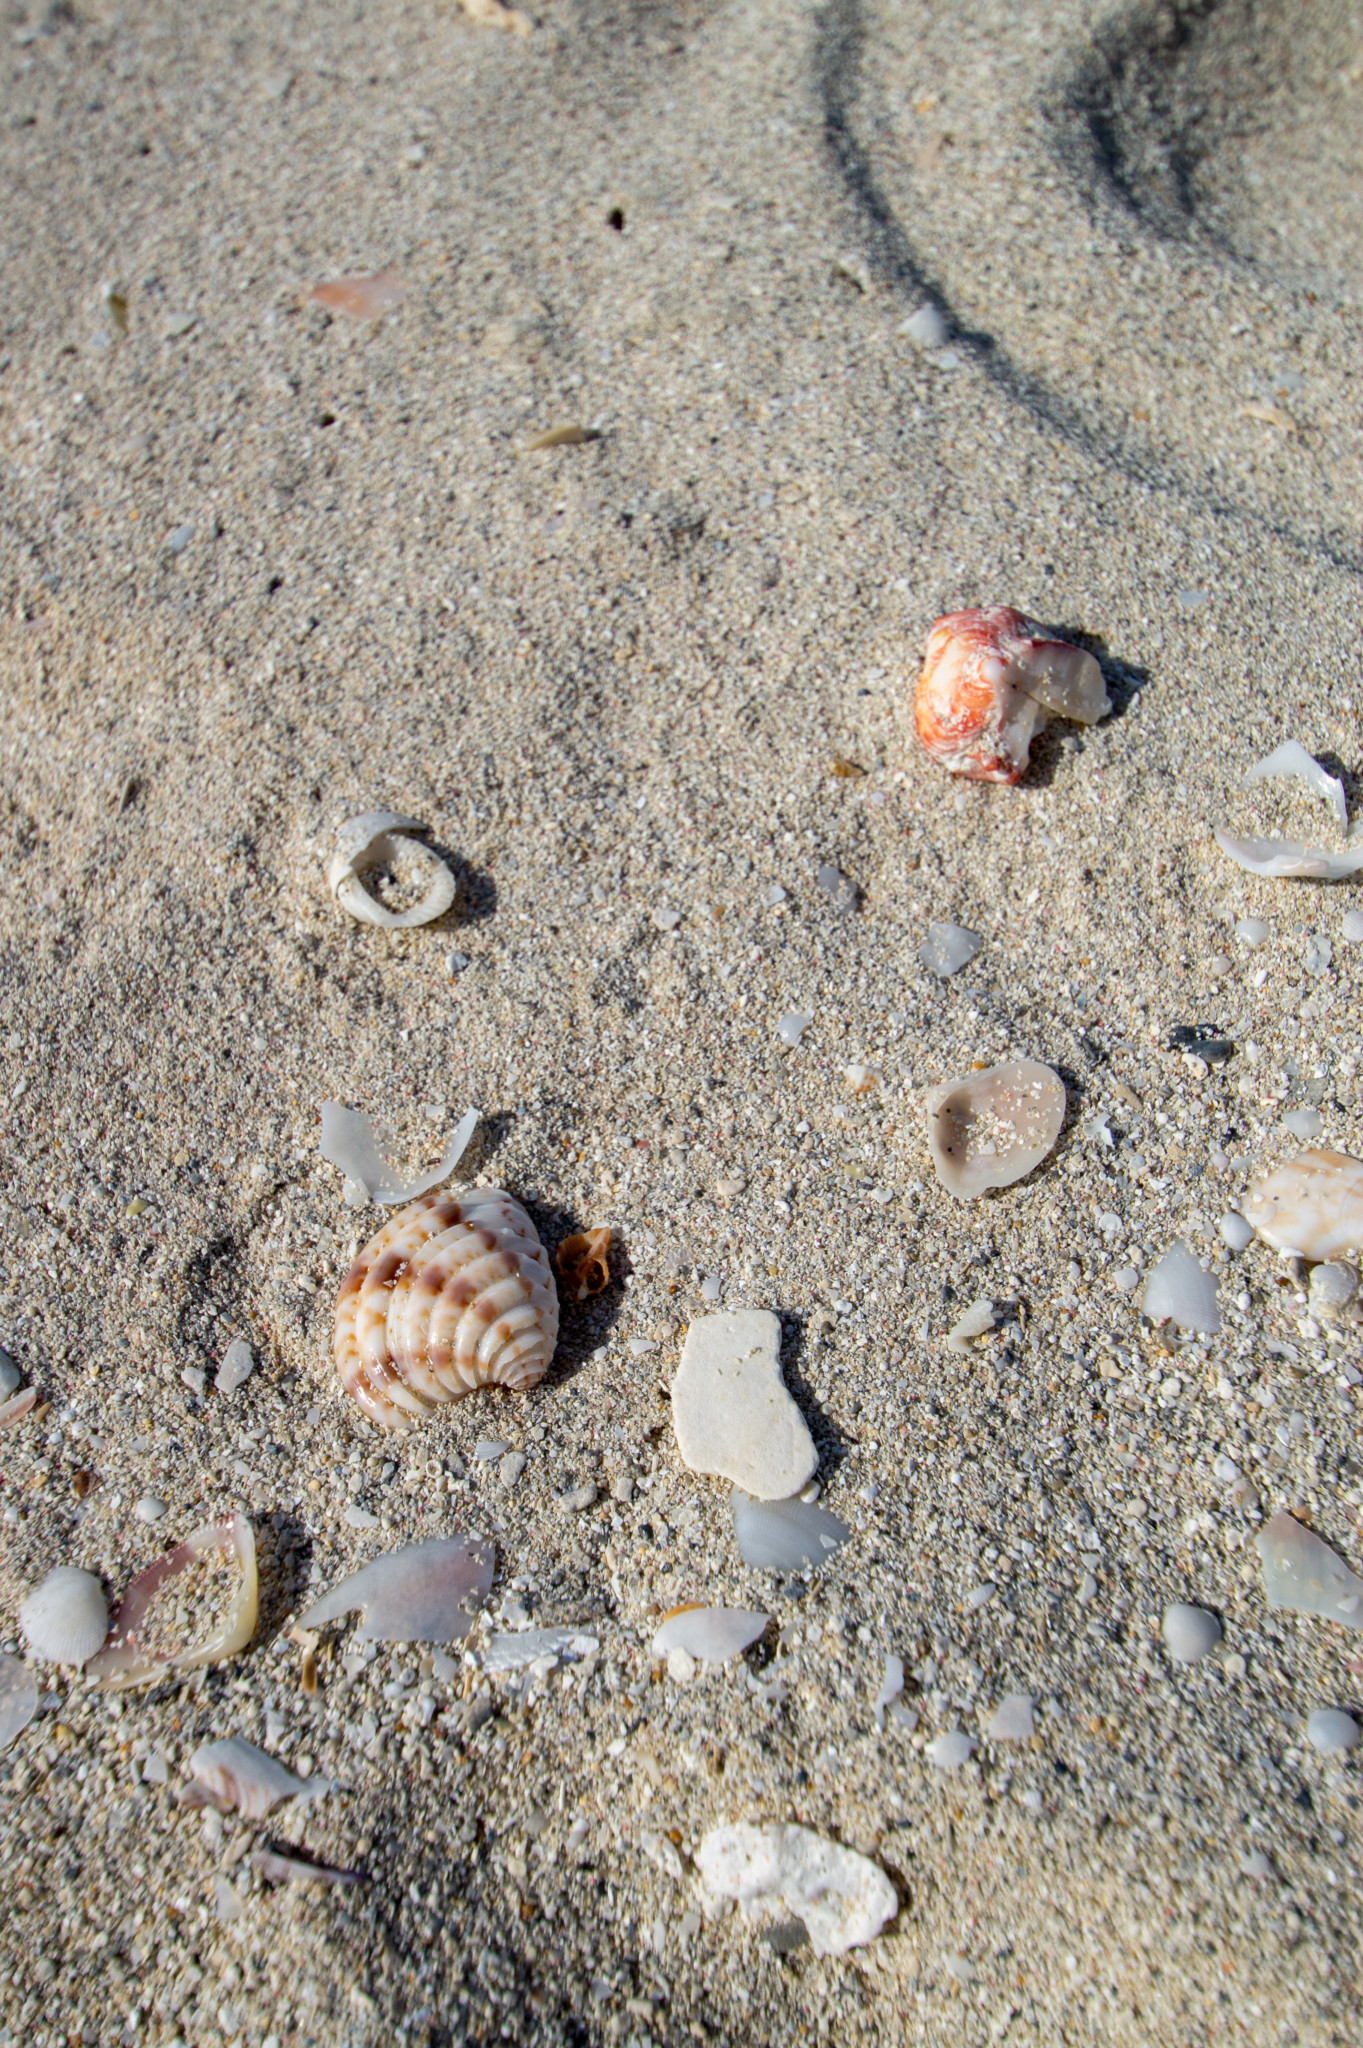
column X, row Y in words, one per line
column 381, row 839
column 731, row 1410
column 843, row 1899
column 18, row 1699
column 1013, row 1719
column 783, row 1535
column 948, row 948
column 1291, row 763
column 1332, row 1732
column 950, row 1751
column 711, row 1634
column 1288, row 858
column 1304, row 1576
column 989, row 1129
column 66, row 1618
column 348, row 1141
column 527, row 1646
column 1179, row 1291
column 421, row 1594
column 234, row 1775
column 1311, row 1206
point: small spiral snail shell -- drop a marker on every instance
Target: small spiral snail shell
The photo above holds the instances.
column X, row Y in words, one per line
column 453, row 1294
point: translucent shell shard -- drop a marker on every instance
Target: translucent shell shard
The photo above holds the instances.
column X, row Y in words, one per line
column 990, row 680
column 989, row 1129
column 454, row 1293
column 1311, row 1206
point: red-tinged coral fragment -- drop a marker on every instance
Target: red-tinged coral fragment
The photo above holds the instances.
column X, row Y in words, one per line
column 990, row 680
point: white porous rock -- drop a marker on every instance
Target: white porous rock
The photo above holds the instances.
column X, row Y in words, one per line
column 843, row 1899
column 731, row 1410
column 1190, row 1633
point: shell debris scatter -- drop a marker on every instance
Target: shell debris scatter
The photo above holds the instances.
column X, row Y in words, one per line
column 450, row 1296
column 784, row 1535
column 991, row 679
column 236, row 1777
column 139, row 1654
column 1304, row 1576
column 583, row 1261
column 366, row 296
column 732, row 1412
column 421, row 1594
column 843, row 1898
column 18, row 1699
column 712, row 1635
column 66, row 1617
column 1179, row 1291
column 1292, row 858
column 348, row 1141
column 1311, row 1206
column 989, row 1129
column 382, row 839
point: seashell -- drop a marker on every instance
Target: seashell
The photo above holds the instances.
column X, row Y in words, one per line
column 843, row 1898
column 537, row 1645
column 1286, row 858
column 348, row 1142
column 361, row 297
column 18, row 1699
column 13, row 1411
column 863, row 1080
column 948, row 948
column 563, row 437
column 133, row 1658
column 1311, row 1206
column 1303, row 1575
column 1013, row 1719
column 1332, row 1732
column 451, row 1295
column 583, row 1264
column 1178, row 1290
column 234, row 1775
column 978, row 1320
column 991, row 1128
column 710, row 1634
column 783, row 1535
column 990, row 680
column 66, row 1618
column 1291, row 763
column 416, row 1595
column 277, row 1869
column 380, row 839
column 9, row 1376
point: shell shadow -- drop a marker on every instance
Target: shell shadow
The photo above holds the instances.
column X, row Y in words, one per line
column 830, row 1440
column 475, row 891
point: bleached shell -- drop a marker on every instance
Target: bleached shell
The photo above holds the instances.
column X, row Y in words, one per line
column 783, row 1535
column 987, row 1130
column 420, row 1594
column 370, row 840
column 990, row 680
column 713, row 1634
column 1311, row 1206
column 66, row 1618
column 1285, row 859
column 234, row 1775
column 453, row 1294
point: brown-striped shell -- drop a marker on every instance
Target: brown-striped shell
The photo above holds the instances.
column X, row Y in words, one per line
column 453, row 1294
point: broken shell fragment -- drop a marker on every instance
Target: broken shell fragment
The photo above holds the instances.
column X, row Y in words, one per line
column 710, row 1634
column 1304, row 1576
column 989, row 1129
column 66, row 1618
column 348, row 1141
column 132, row 1657
column 277, row 1869
column 844, row 1899
column 1180, row 1291
column 13, row 1411
column 584, row 1264
column 563, row 437
column 234, row 1775
column 18, row 1699
column 363, row 297
column 379, row 839
column 421, row 1594
column 1291, row 763
column 1311, row 1206
column 1291, row 858
column 783, row 1535
column 450, row 1296
column 990, row 681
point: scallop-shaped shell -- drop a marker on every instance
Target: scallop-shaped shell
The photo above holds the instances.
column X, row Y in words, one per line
column 989, row 1129
column 66, row 1618
column 990, row 679
column 1312, row 1205
column 454, row 1293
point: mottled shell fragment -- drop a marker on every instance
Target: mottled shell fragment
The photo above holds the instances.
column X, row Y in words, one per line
column 420, row 1594
column 989, row 1129
column 584, row 1263
column 1311, row 1206
column 990, row 681
column 364, row 297
column 453, row 1294
column 378, row 839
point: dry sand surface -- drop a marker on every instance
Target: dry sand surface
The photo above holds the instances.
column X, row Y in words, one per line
column 264, row 567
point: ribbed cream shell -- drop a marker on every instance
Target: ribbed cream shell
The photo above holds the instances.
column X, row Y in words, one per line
column 453, row 1294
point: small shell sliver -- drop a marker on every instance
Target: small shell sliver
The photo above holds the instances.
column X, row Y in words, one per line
column 990, row 681
column 453, row 1294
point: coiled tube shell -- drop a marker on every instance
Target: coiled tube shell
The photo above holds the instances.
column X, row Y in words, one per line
column 453, row 1294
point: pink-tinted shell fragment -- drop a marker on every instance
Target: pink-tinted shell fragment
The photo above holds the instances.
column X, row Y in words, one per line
column 361, row 298
column 990, row 680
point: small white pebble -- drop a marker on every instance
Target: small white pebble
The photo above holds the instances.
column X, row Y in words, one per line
column 1351, row 928
column 1333, row 1285
column 773, row 894
column 1332, row 1731
column 237, row 1366
column 149, row 1508
column 1189, row 1632
column 1225, row 1469
column 1253, row 931
column 1220, row 964
column 511, row 1468
column 681, row 1665
column 667, row 920
column 1304, row 1123
column 1088, row 1589
column 1126, row 1279
column 180, row 538
column 1236, row 1231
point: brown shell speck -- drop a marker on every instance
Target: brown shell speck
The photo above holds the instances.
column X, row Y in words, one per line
column 583, row 1263
column 453, row 1294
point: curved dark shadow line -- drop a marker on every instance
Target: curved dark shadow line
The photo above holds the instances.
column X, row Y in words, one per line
column 838, row 48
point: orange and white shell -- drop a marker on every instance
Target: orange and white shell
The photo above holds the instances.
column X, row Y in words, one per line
column 453, row 1294
column 990, row 680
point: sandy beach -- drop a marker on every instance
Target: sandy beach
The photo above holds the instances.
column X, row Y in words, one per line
column 265, row 566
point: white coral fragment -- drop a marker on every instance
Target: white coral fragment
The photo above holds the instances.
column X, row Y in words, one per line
column 843, row 1899
column 379, row 839
column 348, row 1141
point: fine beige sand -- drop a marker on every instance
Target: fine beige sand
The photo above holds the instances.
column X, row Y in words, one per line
column 264, row 567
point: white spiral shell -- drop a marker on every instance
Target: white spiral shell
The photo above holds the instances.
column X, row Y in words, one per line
column 453, row 1294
